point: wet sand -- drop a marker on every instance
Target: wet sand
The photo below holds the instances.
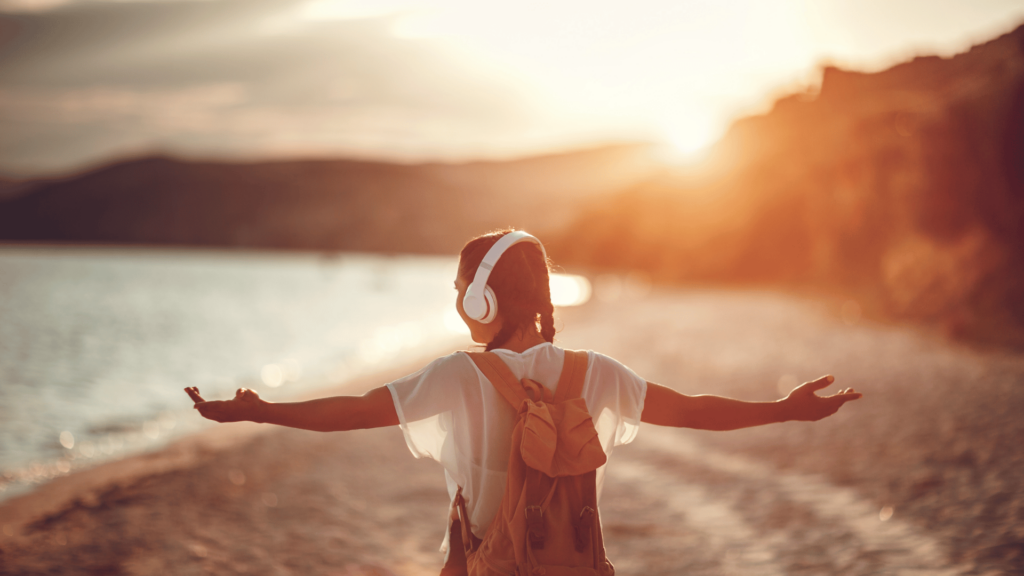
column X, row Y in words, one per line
column 933, row 448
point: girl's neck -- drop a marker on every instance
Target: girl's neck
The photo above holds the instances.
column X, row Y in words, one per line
column 522, row 341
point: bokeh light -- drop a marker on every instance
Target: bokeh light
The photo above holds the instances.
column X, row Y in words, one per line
column 569, row 290
column 272, row 375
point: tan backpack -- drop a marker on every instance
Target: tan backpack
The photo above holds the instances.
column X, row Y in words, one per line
column 547, row 524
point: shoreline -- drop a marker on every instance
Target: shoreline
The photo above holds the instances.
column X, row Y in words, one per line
column 83, row 487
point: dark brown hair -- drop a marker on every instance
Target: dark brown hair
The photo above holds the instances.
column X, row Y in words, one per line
column 521, row 284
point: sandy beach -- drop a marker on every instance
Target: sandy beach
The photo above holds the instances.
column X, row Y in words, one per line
column 922, row 476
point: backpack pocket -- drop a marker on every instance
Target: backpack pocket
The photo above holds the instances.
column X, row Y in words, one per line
column 495, row 556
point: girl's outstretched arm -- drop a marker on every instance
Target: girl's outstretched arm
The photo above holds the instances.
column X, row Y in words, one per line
column 371, row 410
column 666, row 407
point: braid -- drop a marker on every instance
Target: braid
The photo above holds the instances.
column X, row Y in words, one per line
column 508, row 329
column 547, row 319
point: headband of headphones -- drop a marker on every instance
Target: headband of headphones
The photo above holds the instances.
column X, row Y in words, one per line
column 479, row 302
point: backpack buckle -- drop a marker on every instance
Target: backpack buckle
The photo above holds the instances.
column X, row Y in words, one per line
column 583, row 528
column 536, row 531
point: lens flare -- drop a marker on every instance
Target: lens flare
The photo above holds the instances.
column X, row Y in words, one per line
column 569, row 290
column 272, row 375
column 885, row 513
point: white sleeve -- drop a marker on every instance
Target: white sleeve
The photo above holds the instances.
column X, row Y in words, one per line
column 615, row 398
column 425, row 402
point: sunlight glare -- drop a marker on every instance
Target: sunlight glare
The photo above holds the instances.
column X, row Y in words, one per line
column 453, row 322
column 688, row 143
column 272, row 375
column 689, row 140
column 318, row 10
column 569, row 290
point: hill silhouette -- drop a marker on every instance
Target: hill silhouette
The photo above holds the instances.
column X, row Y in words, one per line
column 903, row 188
column 316, row 204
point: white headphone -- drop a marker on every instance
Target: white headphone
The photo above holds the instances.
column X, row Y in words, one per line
column 479, row 302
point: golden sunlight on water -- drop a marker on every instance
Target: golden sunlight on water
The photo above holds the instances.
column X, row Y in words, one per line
column 138, row 312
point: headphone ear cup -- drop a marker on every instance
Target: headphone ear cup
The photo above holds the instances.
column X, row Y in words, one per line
column 474, row 306
column 492, row 306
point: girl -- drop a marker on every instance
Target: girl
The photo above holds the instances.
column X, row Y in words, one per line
column 450, row 412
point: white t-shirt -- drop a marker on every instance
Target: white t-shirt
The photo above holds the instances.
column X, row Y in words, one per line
column 451, row 413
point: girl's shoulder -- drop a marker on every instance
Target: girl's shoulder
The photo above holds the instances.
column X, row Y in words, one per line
column 602, row 365
column 458, row 364
column 458, row 361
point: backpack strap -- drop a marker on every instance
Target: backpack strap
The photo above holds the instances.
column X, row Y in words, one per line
column 574, row 372
column 501, row 377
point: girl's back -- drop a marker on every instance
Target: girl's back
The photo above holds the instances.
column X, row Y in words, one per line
column 451, row 413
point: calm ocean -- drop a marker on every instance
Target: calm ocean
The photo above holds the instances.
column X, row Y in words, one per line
column 96, row 344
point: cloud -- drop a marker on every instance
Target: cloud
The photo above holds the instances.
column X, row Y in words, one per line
column 238, row 78
column 428, row 78
column 187, row 108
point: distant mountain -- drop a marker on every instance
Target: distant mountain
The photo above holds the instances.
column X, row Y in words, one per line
column 903, row 187
column 319, row 205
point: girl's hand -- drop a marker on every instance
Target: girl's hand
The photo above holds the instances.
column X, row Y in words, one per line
column 803, row 404
column 246, row 405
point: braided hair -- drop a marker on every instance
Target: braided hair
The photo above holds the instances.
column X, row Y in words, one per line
column 521, row 284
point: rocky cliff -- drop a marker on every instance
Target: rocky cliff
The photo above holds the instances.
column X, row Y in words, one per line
column 904, row 188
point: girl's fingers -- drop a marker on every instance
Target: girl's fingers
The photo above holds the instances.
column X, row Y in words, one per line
column 818, row 384
column 193, row 393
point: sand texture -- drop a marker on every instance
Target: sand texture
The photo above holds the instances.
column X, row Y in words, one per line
column 933, row 449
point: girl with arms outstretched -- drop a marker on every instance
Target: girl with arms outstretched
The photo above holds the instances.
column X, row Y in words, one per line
column 523, row 431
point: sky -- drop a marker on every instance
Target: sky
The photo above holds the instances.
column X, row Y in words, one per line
column 91, row 81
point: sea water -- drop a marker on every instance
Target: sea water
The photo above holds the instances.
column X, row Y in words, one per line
column 96, row 344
